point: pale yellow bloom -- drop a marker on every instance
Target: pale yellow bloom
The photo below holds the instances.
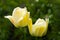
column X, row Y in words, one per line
column 19, row 17
column 38, row 29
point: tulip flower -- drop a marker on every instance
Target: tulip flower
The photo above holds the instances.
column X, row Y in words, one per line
column 38, row 29
column 19, row 17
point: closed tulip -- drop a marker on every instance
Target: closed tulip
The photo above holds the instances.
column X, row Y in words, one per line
column 38, row 29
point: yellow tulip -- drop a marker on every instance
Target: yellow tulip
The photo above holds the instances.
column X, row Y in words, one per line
column 38, row 29
column 19, row 17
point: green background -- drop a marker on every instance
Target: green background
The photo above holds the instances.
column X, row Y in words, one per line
column 38, row 9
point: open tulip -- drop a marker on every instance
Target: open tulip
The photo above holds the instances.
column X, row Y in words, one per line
column 38, row 29
column 19, row 17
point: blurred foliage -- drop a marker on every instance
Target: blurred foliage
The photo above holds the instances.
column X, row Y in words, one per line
column 38, row 9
